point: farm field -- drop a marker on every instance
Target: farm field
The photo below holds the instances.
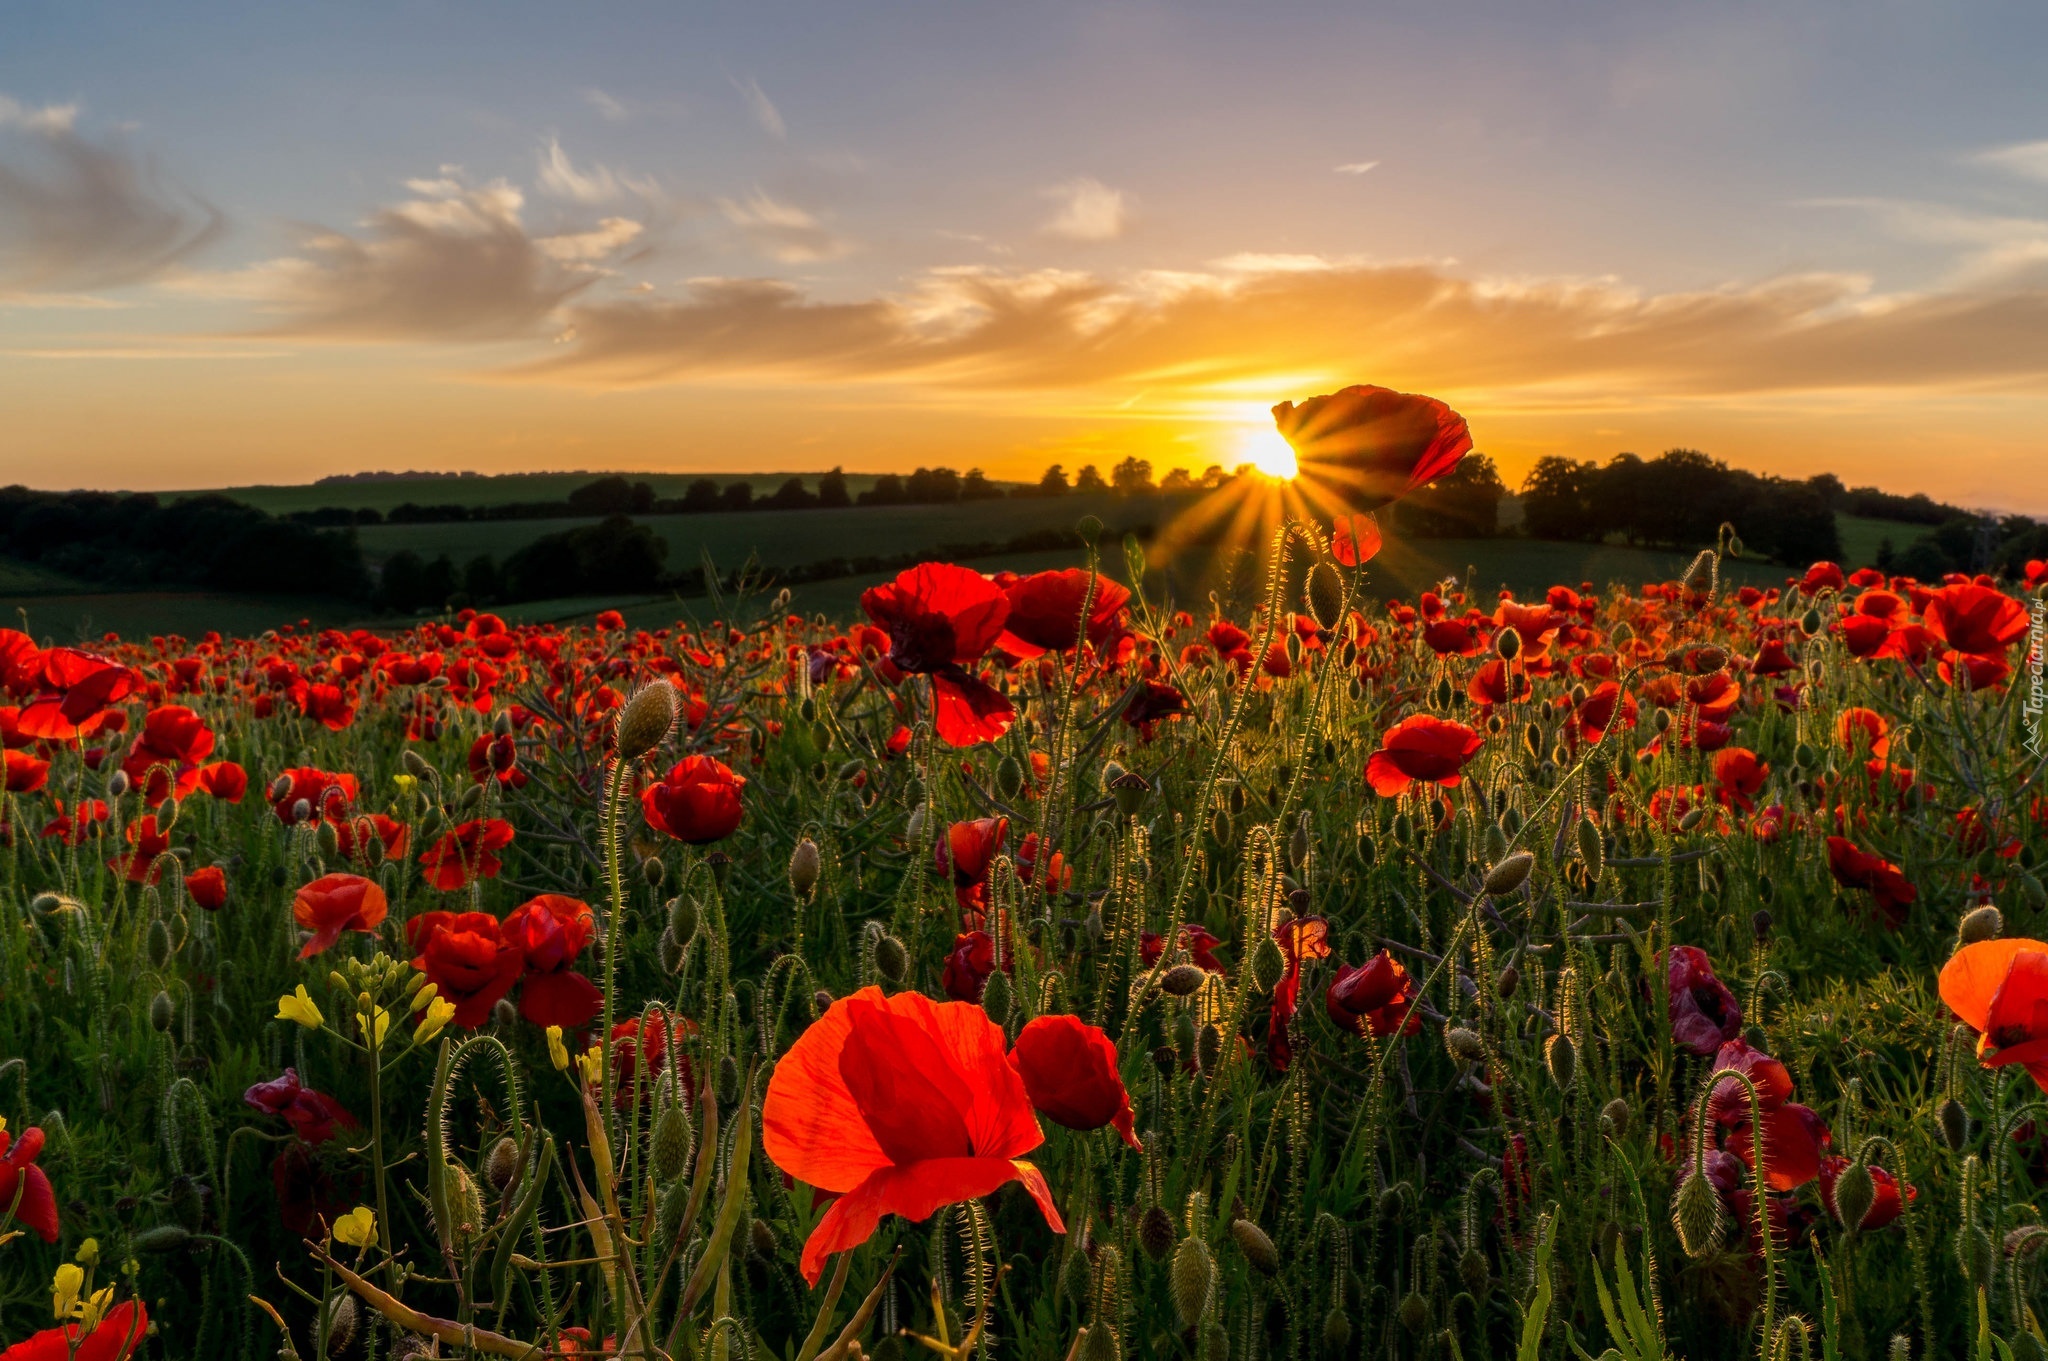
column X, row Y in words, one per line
column 384, row 494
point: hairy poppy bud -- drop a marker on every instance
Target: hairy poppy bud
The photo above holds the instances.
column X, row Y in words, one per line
column 1700, row 577
column 1508, row 980
column 1508, row 643
column 645, row 722
column 1507, row 876
column 892, row 961
column 1219, row 826
column 1855, row 1193
column 162, row 1238
column 415, row 765
column 158, row 944
column 1325, row 595
column 1954, row 1124
column 1982, row 924
column 329, row 840
column 1267, row 964
column 1805, row 757
column 504, row 1014
column 1182, row 980
column 1190, row 1279
column 1614, row 1117
column 1155, row 1233
column 1692, row 819
column 728, row 1078
column 1562, row 1059
column 1392, row 1202
column 682, row 918
column 761, row 1240
column 1336, row 1331
column 1975, row 1254
column 1209, row 1048
column 653, row 871
column 1696, row 1214
column 675, row 1201
column 1257, row 1248
column 1464, row 1044
column 996, row 998
column 1474, row 1274
column 1009, row 777
column 805, row 862
column 342, row 1320
column 501, row 1163
column 1760, row 923
column 302, row 810
column 1184, row 1035
column 1413, row 1311
column 161, row 1012
column 1592, row 850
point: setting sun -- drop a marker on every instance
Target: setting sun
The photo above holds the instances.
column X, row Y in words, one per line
column 1265, row 449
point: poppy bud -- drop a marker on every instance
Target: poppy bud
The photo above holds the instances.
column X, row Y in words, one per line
column 1325, row 595
column 342, row 1320
column 1393, row 1201
column 1268, row 964
column 302, row 809
column 913, row 826
column 1760, row 923
column 1190, row 1279
column 1855, row 1193
column 1336, row 1331
column 162, row 1238
column 761, row 1240
column 645, row 721
column 329, row 840
column 1696, row 1214
column 728, row 1078
column 1699, row 577
column 1765, row 889
column 675, row 1200
column 158, row 943
column 1474, row 1274
column 1562, row 1059
column 1661, row 721
column 469, row 798
column 1982, row 924
column 892, row 961
column 1592, row 850
column 1508, row 643
column 1184, row 1035
column 1257, row 1248
column 1510, row 978
column 161, row 1012
column 995, row 997
column 1954, row 1124
column 1464, row 1044
column 1404, row 828
column 682, row 918
column 1155, row 1233
column 501, row 1163
column 1444, row 693
column 1508, row 875
column 1219, row 826
column 808, row 710
column 1413, row 1311
column 1975, row 1253
column 1692, row 819
column 1209, row 1048
column 1299, row 843
column 805, row 862
column 1182, row 979
column 821, row 1001
column 653, row 871
column 1009, row 777
column 1614, row 1117
column 1805, row 757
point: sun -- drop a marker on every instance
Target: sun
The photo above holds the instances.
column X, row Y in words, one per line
column 1268, row 451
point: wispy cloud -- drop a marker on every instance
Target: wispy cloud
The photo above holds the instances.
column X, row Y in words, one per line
column 78, row 214
column 560, row 177
column 1089, row 211
column 1991, row 248
column 1354, row 167
column 763, row 108
column 783, row 231
column 608, row 108
column 2029, row 160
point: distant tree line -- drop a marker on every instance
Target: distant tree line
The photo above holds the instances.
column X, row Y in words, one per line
column 1679, row 499
column 134, row 540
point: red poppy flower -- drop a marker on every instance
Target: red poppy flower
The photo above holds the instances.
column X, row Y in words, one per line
column 25, row 774
column 1376, row 998
column 1822, row 576
column 208, row 887
column 1856, row 727
column 468, row 959
column 1772, row 659
column 966, row 852
column 19, row 1176
column 1885, row 1206
column 1794, row 1136
column 697, row 802
column 1888, row 885
column 1703, row 1012
column 1999, row 988
column 313, row 1116
column 968, row 967
column 1300, row 939
column 1196, row 940
column 74, row 688
column 114, row 1338
column 80, row 823
column 1045, row 612
column 353, row 835
column 1714, row 696
column 902, row 1105
column 1421, row 748
column 329, row 795
column 21, row 662
column 1863, row 634
column 1738, row 775
column 1151, row 703
column 1057, row 873
column 1599, row 709
column 224, row 780
column 1371, row 444
column 941, row 619
column 1354, row 539
column 335, row 903
column 1453, row 638
column 1497, row 683
column 466, row 852
column 663, row 1039
column 549, row 931
column 146, row 843
column 1975, row 620
column 495, row 756
column 176, row 739
column 1070, row 1072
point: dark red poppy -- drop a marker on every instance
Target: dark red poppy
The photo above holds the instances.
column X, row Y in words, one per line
column 1453, row 638
column 1794, row 1139
column 335, row 903
column 1375, row 998
column 77, row 825
column 1196, row 940
column 1729, row 1104
column 1421, row 749
column 145, row 844
column 1889, row 888
column 663, row 1041
column 466, row 852
column 1863, row 635
column 468, row 959
column 25, row 773
column 965, row 853
column 19, row 1176
column 902, row 1105
column 353, row 835
column 549, row 931
column 114, row 1338
column 1857, row 727
column 1058, row 875
column 313, row 1116
column 495, row 756
column 1772, row 659
column 1999, row 988
column 941, row 620
column 1300, row 939
column 167, row 755
column 224, row 780
column 1045, row 612
column 1070, row 1072
column 1371, row 444
column 208, row 887
column 697, row 802
column 972, row 960
column 1498, row 683
column 1975, row 620
column 1151, row 703
column 1600, row 708
column 1822, row 576
column 330, row 706
column 74, row 688
column 1703, row 1012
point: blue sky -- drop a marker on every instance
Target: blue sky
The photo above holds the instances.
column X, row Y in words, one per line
column 614, row 235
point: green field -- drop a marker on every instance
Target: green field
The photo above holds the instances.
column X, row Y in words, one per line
column 505, row 489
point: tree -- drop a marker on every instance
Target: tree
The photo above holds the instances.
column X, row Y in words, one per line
column 887, row 491
column 402, row 586
column 440, row 582
column 832, row 490
column 1132, row 475
column 1177, row 479
column 701, row 496
column 1555, row 499
column 1462, row 504
column 1089, row 480
column 737, row 496
column 976, row 487
column 1213, row 477
column 932, row 486
column 1054, row 483
column 791, row 495
column 480, row 578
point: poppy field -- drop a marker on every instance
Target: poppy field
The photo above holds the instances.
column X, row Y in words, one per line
column 1031, row 967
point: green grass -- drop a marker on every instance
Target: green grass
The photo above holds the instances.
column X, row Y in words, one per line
column 83, row 616
column 1861, row 537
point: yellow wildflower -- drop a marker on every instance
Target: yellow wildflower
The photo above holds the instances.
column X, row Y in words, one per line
column 358, row 1227
column 298, row 1006
column 557, row 1051
column 383, row 1024
column 64, row 1288
column 89, row 1252
column 440, row 1011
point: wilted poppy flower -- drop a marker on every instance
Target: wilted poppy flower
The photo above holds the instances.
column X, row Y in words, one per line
column 1375, row 998
column 697, row 802
column 335, row 903
column 208, row 887
column 1999, row 988
column 466, row 852
column 1703, row 1012
column 1421, row 748
column 1070, row 1072
column 549, row 931
column 1889, row 888
column 901, row 1105
column 1885, row 1206
column 941, row 619
column 1045, row 612
column 19, row 1176
column 1975, row 620
column 1300, row 939
column 468, row 959
column 114, row 1338
column 1371, row 444
column 313, row 1116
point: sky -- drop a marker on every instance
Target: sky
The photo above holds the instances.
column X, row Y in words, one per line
column 265, row 243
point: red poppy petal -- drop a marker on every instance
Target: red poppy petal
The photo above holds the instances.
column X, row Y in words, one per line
column 968, row 711
column 564, row 998
column 811, row 1126
column 914, row 1192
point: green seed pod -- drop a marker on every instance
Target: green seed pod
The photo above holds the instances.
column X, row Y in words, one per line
column 1474, row 1274
column 1855, row 1193
column 682, row 918
column 342, row 1320
column 892, row 961
column 1766, row 891
column 1209, row 1048
column 1182, row 980
column 161, row 1012
column 1299, row 843
column 1562, row 1059
column 1077, row 1282
column 1805, row 757
column 1404, row 828
column 1393, row 1202
column 806, row 862
column 1975, row 1254
column 1257, row 1248
column 1614, row 1117
column 1130, row 790
column 1413, row 1312
column 675, row 1199
column 646, row 720
column 671, row 1148
column 329, row 841
column 808, row 709
column 1155, row 1233
column 158, row 944
column 1509, row 979
column 1592, row 850
column 1507, row 876
column 1953, row 1123
column 1496, row 843
column 414, row 763
column 1508, row 643
column 1985, row 923
column 501, row 1164
column 1268, row 964
column 1809, row 623
column 1215, row 1341
column 1189, row 1279
column 1009, row 777
column 1336, row 1331
column 1102, row 1343
column 1325, row 595
column 1696, row 1214
column 996, row 997
column 1464, row 1044
column 728, row 1079
column 653, row 871
column 1692, row 819
column 761, row 1240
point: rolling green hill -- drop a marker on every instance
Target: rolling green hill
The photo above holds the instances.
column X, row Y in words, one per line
column 500, row 490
